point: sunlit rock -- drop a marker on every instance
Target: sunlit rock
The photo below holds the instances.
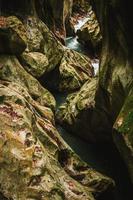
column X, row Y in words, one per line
column 74, row 69
column 35, row 162
column 11, row 70
column 35, row 63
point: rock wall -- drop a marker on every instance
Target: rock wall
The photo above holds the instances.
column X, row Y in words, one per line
column 111, row 105
column 56, row 21
column 35, row 162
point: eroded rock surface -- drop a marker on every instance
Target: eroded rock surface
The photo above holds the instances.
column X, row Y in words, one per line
column 35, row 162
column 114, row 92
column 82, row 115
column 123, row 132
column 35, row 63
column 72, row 68
column 13, row 39
column 58, row 22
column 11, row 70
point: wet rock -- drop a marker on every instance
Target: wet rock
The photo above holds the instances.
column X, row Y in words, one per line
column 116, row 72
column 44, row 53
column 81, row 114
column 123, row 132
column 13, row 39
column 70, row 29
column 74, row 69
column 35, row 37
column 11, row 70
column 80, row 5
column 35, row 162
column 59, row 21
column 51, row 47
column 115, row 79
column 35, row 63
column 90, row 34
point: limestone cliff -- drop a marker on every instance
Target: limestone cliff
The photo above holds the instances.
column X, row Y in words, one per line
column 35, row 162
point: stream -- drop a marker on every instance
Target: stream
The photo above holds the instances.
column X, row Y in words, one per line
column 104, row 158
column 72, row 43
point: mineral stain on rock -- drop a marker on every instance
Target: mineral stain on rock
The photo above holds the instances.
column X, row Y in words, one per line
column 47, row 88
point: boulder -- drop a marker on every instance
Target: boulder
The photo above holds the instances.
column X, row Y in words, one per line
column 44, row 53
column 35, row 162
column 74, row 69
column 13, row 38
column 69, row 69
column 11, row 70
column 51, row 47
column 81, row 115
column 35, row 63
column 34, row 35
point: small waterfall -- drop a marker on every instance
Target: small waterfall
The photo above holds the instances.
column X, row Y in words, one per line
column 95, row 64
column 80, row 23
column 72, row 43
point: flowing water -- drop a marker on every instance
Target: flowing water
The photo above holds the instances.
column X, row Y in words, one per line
column 81, row 22
column 105, row 158
column 72, row 43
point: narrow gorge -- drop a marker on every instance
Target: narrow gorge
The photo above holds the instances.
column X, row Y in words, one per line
column 66, row 100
